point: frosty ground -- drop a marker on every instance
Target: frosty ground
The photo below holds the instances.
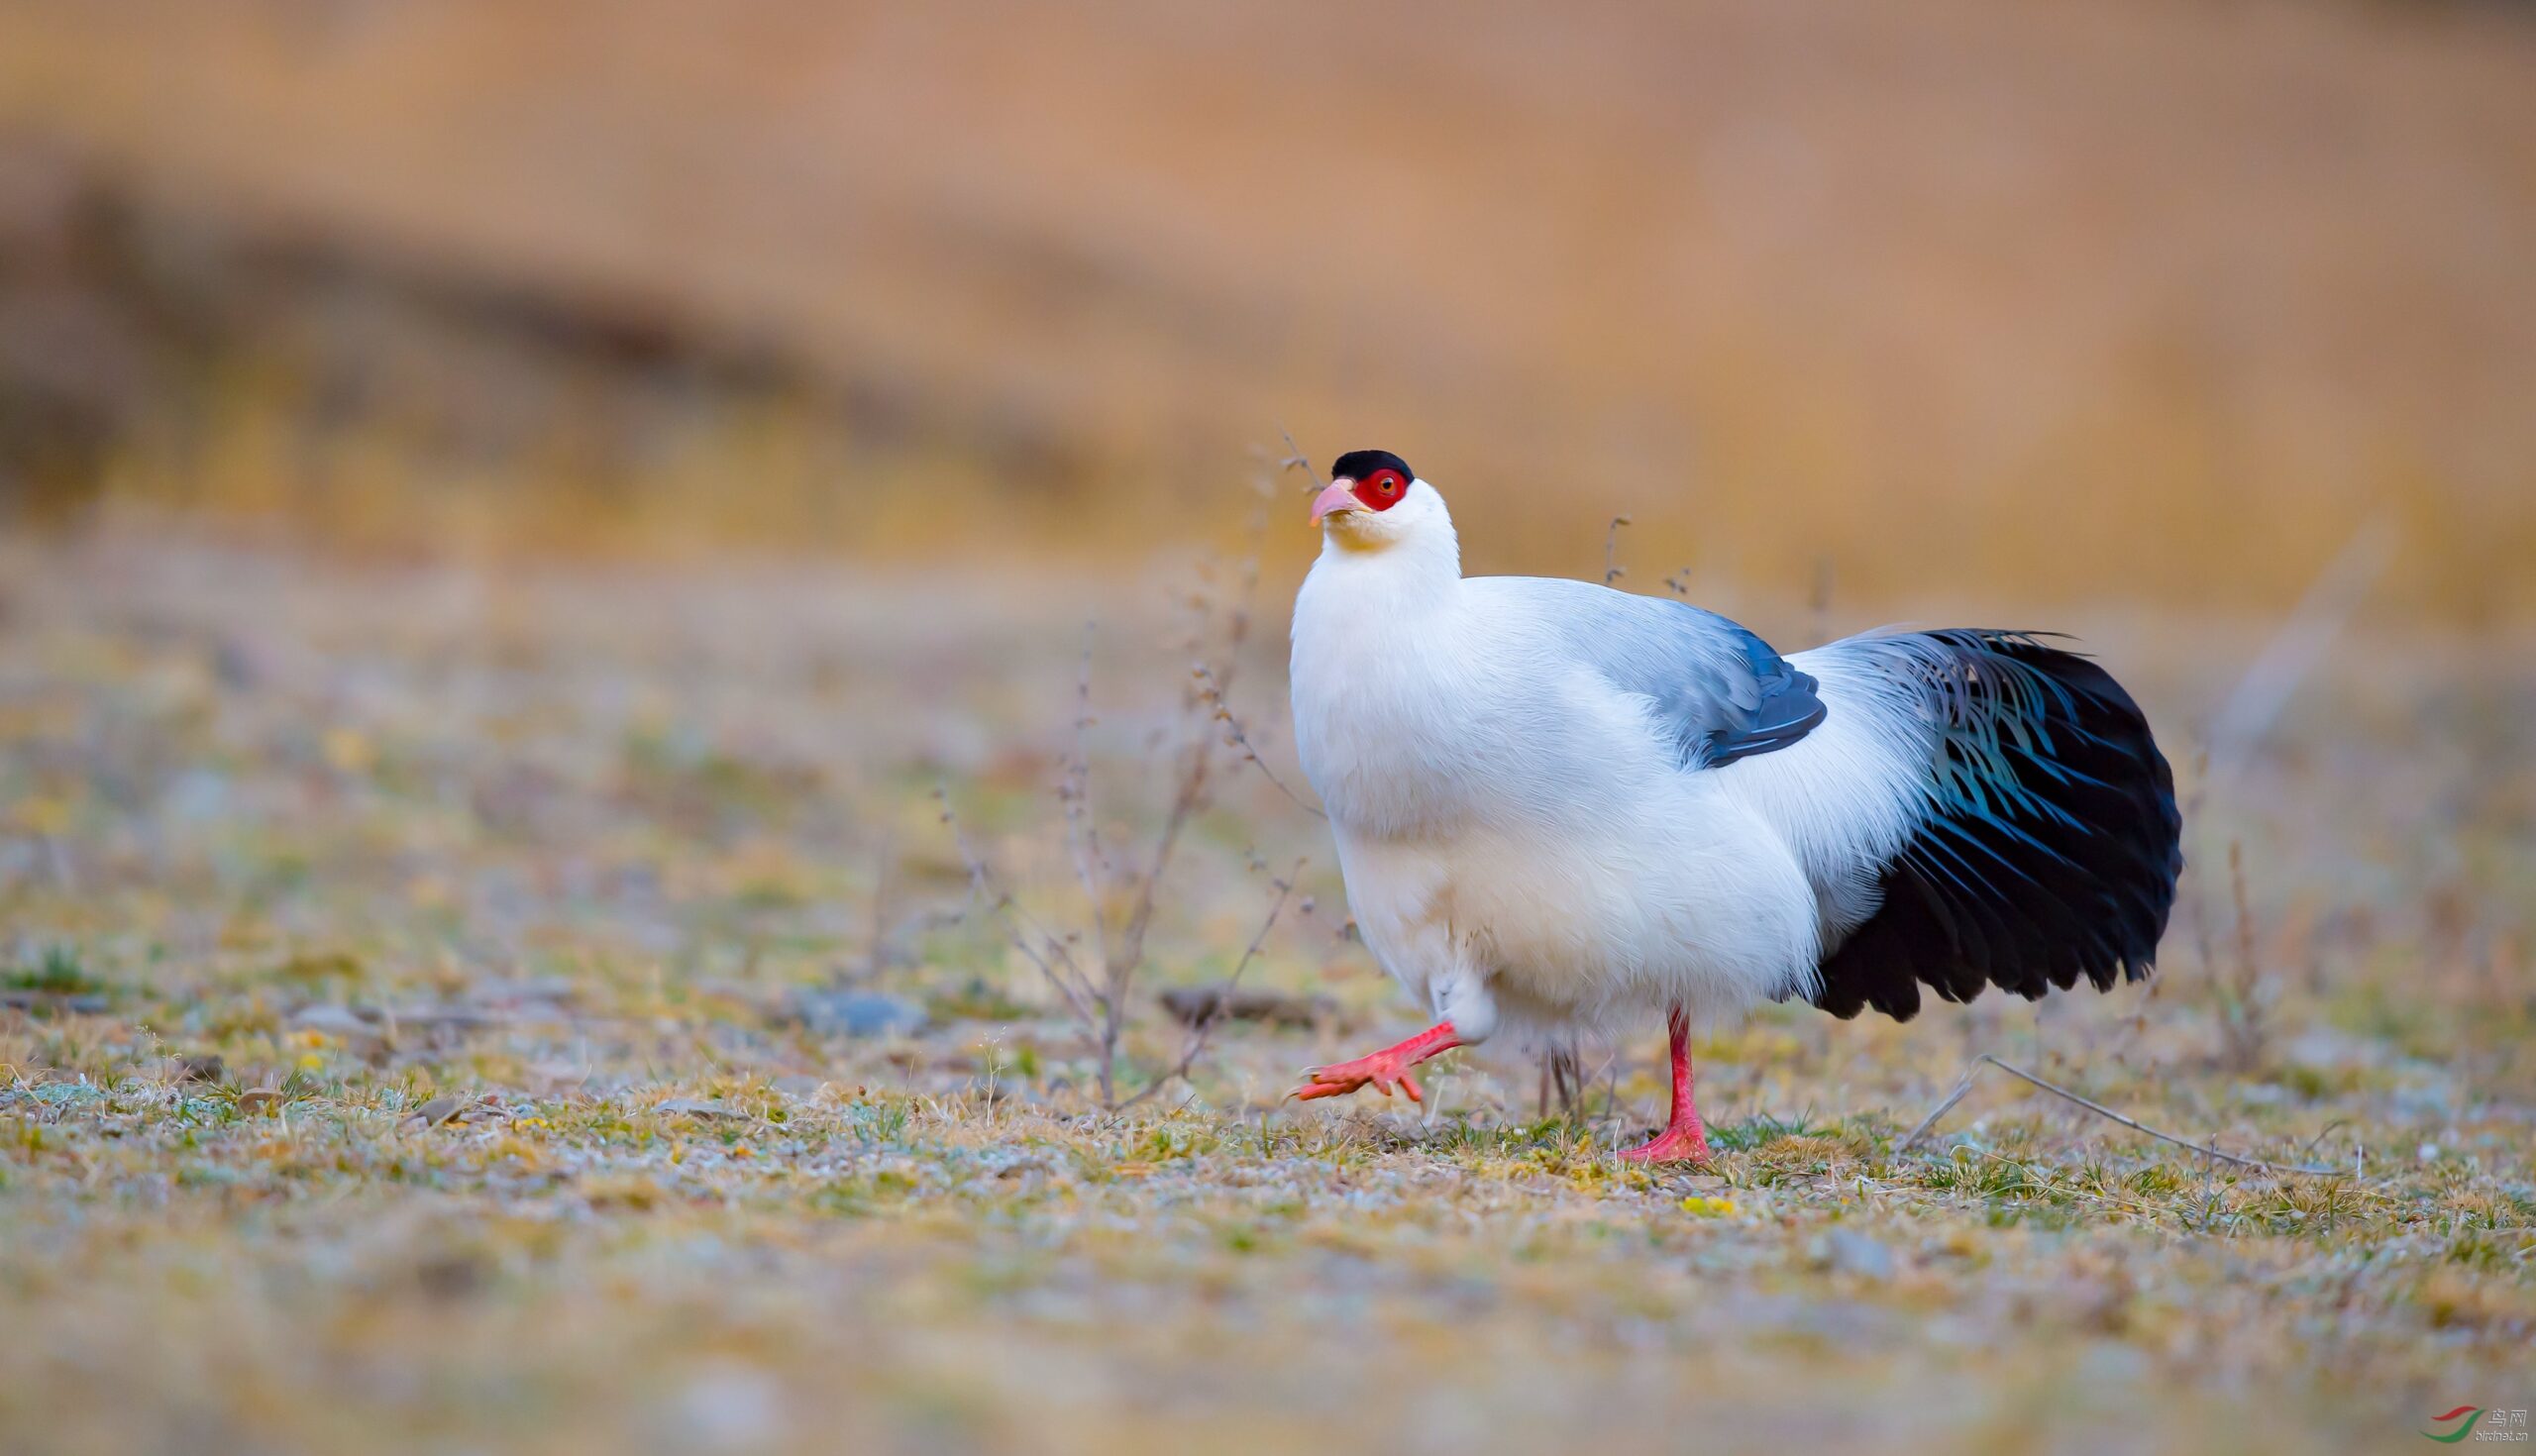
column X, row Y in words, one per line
column 451, row 1009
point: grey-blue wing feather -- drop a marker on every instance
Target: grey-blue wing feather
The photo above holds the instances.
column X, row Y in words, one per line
column 1787, row 710
column 1719, row 691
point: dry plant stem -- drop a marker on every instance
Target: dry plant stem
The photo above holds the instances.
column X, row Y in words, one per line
column 1213, row 693
column 1098, row 1004
column 1049, row 954
column 1563, row 1075
column 2243, row 1028
column 2302, row 642
column 1963, row 1088
column 1294, row 459
column 1612, row 571
column 1121, row 964
column 1206, row 1026
column 1083, row 831
column 1125, row 956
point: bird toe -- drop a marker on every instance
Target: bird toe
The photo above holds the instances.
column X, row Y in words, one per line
column 1319, row 1083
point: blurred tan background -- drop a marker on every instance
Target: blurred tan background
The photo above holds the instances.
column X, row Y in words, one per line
column 2017, row 302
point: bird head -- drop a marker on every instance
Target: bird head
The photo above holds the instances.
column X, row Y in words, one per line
column 1374, row 500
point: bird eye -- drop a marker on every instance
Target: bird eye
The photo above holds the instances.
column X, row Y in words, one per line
column 1391, row 484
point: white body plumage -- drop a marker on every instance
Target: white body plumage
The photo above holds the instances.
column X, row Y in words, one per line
column 1560, row 806
column 1522, row 843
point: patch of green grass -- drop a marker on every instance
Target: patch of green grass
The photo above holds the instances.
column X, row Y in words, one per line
column 1761, row 1129
column 57, row 971
column 975, row 999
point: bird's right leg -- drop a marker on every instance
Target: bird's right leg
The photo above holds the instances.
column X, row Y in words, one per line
column 1683, row 1138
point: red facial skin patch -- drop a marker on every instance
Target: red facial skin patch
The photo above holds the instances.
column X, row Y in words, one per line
column 1381, row 490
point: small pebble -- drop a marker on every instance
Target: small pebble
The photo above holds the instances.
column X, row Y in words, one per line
column 859, row 1013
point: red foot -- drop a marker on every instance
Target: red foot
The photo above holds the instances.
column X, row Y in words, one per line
column 1683, row 1140
column 1386, row 1069
column 1680, row 1143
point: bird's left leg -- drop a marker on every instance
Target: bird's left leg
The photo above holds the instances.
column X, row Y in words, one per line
column 1385, row 1069
column 1465, row 1016
column 1683, row 1138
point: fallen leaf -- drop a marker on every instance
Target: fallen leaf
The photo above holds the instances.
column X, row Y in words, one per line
column 1194, row 1005
column 695, row 1108
column 436, row 1112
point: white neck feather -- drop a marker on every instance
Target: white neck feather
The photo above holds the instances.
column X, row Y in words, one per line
column 1408, row 556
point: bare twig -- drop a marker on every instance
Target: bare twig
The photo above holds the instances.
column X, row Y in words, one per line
column 1122, row 893
column 1609, row 1073
column 1127, row 956
column 880, row 949
column 1612, row 571
column 1237, row 631
column 1054, row 962
column 1083, row 826
column 2302, row 642
column 1191, row 1004
column 1965, row 1086
column 1206, row 1026
column 2241, row 1025
column 2194, row 866
column 1562, row 1076
column 1294, row 459
column 1213, row 693
column 1962, row 1090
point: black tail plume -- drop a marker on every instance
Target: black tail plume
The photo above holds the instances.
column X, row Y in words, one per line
column 2052, row 854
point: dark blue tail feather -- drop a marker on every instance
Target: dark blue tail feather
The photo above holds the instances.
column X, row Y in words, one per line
column 2053, row 845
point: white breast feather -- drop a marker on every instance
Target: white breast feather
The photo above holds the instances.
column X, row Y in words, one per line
column 1506, row 816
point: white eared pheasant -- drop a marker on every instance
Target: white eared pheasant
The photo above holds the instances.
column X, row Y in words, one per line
column 1560, row 806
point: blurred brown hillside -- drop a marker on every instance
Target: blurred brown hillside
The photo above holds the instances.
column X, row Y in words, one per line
column 2025, row 301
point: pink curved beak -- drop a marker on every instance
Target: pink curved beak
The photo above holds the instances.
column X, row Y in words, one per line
column 1337, row 495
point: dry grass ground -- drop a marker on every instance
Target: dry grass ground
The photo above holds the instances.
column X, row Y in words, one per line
column 495, row 895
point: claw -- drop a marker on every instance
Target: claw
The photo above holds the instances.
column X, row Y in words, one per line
column 1383, row 1070
column 1675, row 1144
column 1346, row 1076
column 1314, row 1087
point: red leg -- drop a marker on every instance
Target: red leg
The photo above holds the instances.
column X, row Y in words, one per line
column 1383, row 1069
column 1683, row 1140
